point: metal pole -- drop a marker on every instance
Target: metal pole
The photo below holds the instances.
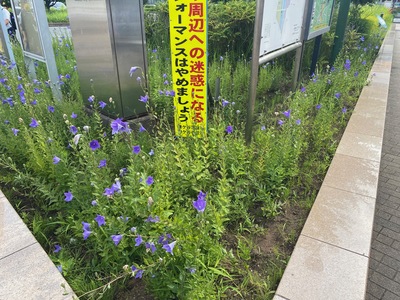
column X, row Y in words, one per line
column 340, row 29
column 300, row 51
column 254, row 70
column 297, row 65
column 317, row 48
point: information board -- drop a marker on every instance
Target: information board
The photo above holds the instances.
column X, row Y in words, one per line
column 281, row 24
column 188, row 32
column 320, row 16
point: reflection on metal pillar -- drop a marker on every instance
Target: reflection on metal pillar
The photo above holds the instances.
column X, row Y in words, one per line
column 108, row 39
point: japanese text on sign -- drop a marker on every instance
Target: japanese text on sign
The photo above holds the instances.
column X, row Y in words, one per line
column 188, row 31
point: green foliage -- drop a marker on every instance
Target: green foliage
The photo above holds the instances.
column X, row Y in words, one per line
column 230, row 24
column 57, row 16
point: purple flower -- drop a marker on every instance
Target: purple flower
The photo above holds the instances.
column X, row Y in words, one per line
column 263, row 127
column 59, row 268
column 141, row 128
column 362, row 39
column 56, row 160
column 117, row 186
column 355, row 73
column 34, row 102
column 123, row 172
column 347, row 65
column 67, row 76
column 138, row 272
column 166, row 82
column 224, row 102
column 34, row 123
column 169, row 247
column 200, row 203
column 94, row 145
column 116, row 238
column 144, row 99
column 136, row 149
column 229, row 129
column 344, row 110
column 74, row 115
column 50, row 108
column 138, row 240
column 73, row 129
column 138, row 79
column 15, row 131
column 287, row 113
column 101, row 220
column 68, row 196
column 281, row 122
column 164, row 239
column 57, row 248
column 298, row 121
column 102, row 163
column 318, row 106
column 86, row 230
column 149, row 180
column 303, row 89
column 102, row 104
column 91, row 99
column 150, row 219
column 119, row 126
column 22, row 97
column 108, row 192
column 132, row 70
column 337, row 95
column 151, row 247
column 37, row 91
column 172, row 93
column 364, row 63
column 151, row 152
column 94, row 203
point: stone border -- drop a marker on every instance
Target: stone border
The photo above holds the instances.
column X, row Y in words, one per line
column 26, row 271
column 331, row 256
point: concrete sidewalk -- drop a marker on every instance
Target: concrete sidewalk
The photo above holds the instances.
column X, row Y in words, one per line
column 26, row 272
column 384, row 265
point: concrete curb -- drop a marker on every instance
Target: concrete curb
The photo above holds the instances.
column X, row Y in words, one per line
column 26, row 270
column 331, row 257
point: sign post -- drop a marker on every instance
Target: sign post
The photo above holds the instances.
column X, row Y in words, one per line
column 188, row 33
column 340, row 29
column 281, row 30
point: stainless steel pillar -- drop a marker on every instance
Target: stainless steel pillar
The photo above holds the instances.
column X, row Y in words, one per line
column 108, row 38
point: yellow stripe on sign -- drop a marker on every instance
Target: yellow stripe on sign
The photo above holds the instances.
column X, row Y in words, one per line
column 188, row 31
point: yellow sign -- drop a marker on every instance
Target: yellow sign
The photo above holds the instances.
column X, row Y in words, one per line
column 188, row 31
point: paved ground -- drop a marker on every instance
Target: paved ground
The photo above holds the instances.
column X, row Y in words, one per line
column 384, row 269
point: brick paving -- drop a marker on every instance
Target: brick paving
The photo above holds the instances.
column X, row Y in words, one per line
column 384, row 266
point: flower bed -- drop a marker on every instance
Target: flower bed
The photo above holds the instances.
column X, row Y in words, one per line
column 184, row 215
